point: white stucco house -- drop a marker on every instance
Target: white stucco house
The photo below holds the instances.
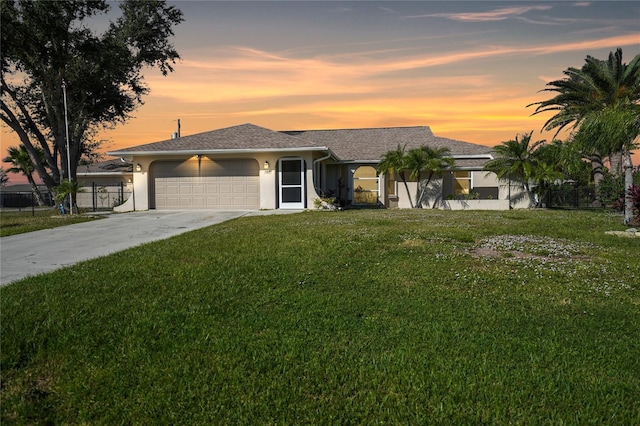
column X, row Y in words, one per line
column 252, row 167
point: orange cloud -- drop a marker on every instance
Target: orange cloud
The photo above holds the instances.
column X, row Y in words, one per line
column 241, row 73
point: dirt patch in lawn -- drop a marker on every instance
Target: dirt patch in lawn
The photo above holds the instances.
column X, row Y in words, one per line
column 530, row 247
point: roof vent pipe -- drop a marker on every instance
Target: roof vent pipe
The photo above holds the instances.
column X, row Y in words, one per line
column 176, row 134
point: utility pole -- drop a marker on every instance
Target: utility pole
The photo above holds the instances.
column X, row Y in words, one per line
column 66, row 123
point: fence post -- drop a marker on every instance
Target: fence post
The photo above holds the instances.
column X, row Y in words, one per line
column 121, row 192
column 94, row 196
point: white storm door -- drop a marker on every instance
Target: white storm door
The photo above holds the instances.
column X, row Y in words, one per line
column 291, row 183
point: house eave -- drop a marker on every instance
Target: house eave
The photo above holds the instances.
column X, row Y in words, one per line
column 103, row 174
column 455, row 157
column 472, row 157
column 359, row 161
column 191, row 152
column 468, row 168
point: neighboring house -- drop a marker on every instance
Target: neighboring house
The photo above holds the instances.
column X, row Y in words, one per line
column 252, row 167
column 104, row 184
column 21, row 195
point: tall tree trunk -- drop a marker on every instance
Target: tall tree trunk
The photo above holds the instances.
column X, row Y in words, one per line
column 36, row 190
column 615, row 163
column 408, row 193
column 406, row 187
column 419, row 193
column 598, row 175
column 628, row 182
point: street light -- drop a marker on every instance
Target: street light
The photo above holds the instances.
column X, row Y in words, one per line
column 66, row 123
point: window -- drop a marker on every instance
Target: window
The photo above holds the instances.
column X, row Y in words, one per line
column 365, row 185
column 462, row 182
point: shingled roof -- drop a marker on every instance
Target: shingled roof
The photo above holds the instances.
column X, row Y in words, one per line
column 372, row 144
column 115, row 167
column 350, row 145
column 247, row 137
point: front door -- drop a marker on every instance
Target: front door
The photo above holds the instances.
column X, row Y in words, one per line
column 291, row 183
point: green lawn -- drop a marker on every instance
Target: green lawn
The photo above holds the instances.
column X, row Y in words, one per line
column 12, row 222
column 359, row 317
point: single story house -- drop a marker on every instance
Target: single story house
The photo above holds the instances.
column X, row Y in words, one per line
column 252, row 167
column 104, row 184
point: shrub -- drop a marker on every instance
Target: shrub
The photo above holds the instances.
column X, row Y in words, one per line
column 325, row 203
column 634, row 195
column 611, row 190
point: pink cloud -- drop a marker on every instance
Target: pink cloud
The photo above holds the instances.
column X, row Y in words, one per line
column 493, row 15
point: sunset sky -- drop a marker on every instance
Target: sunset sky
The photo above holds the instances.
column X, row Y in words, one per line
column 467, row 69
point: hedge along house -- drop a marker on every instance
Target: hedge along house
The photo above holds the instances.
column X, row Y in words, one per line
column 251, row 167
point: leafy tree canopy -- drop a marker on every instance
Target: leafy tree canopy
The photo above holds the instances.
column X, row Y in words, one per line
column 598, row 85
column 49, row 44
column 600, row 102
column 610, row 130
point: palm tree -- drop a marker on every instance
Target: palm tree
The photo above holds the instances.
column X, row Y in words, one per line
column 597, row 86
column 426, row 159
column 21, row 162
column 415, row 161
column 3, row 177
column 515, row 160
column 394, row 162
column 613, row 129
column 68, row 189
column 548, row 168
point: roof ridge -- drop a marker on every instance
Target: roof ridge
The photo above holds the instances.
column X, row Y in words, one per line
column 356, row 128
column 215, row 130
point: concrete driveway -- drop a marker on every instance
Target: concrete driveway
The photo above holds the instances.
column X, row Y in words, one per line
column 44, row 251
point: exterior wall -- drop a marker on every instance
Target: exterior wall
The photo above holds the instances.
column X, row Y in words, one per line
column 441, row 188
column 142, row 197
column 139, row 199
column 484, row 179
column 431, row 196
column 268, row 181
column 108, row 188
column 482, row 184
column 485, row 184
column 310, row 186
column 516, row 194
column 335, row 179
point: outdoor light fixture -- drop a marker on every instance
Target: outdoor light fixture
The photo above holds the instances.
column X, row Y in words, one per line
column 266, row 165
column 138, row 167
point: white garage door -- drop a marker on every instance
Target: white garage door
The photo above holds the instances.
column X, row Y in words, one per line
column 223, row 184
